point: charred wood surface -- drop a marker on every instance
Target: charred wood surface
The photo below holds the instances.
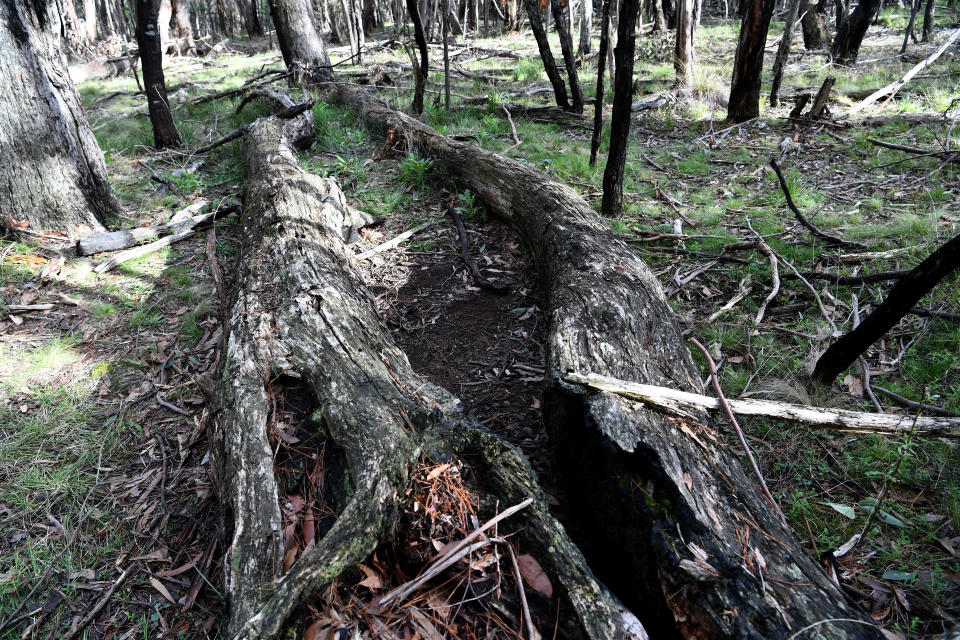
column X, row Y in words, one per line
column 666, row 515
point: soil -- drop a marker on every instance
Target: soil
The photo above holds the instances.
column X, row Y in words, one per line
column 484, row 347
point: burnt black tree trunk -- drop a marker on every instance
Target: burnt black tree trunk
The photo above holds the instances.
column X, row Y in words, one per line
column 783, row 51
column 566, row 47
column 423, row 66
column 549, row 64
column 52, row 172
column 928, row 20
column 300, row 43
column 683, row 46
column 598, row 102
column 622, row 102
column 850, row 32
column 904, row 295
column 748, row 64
column 908, row 32
column 165, row 134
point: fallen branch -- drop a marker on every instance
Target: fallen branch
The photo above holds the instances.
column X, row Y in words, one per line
column 929, row 408
column 679, row 402
column 130, row 254
column 742, row 292
column 395, row 241
column 892, row 88
column 901, row 299
column 774, row 274
column 116, row 240
column 478, row 277
column 513, row 127
column 880, row 276
column 802, row 220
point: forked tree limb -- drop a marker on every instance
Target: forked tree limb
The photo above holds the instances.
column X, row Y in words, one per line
column 898, row 303
column 687, row 496
column 303, row 312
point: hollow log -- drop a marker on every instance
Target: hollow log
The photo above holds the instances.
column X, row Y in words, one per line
column 303, row 312
column 663, row 511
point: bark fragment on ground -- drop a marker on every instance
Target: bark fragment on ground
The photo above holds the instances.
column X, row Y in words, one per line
column 678, row 530
column 303, row 312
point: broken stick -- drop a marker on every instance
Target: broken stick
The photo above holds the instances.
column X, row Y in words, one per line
column 478, row 277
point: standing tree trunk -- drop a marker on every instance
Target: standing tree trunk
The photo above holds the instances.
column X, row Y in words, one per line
column 445, row 27
column 423, row 66
column 659, row 18
column 908, row 32
column 612, row 205
column 683, row 49
column 251, row 17
column 783, row 52
column 566, row 47
column 748, row 64
column 549, row 64
column 165, row 132
column 180, row 27
column 52, row 172
column 928, row 20
column 303, row 50
column 815, row 32
column 90, row 20
column 850, row 32
column 229, row 13
column 586, row 26
column 598, row 101
column 164, row 15
column 512, row 23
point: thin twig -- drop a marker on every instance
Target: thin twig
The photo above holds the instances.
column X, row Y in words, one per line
column 736, row 426
column 531, row 632
column 513, row 128
column 774, row 274
column 864, row 365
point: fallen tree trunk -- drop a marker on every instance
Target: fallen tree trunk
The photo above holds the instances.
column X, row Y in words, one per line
column 303, row 313
column 666, row 515
column 680, row 402
column 126, row 238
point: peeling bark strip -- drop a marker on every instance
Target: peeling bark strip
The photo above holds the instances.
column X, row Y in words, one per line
column 669, row 520
column 303, row 311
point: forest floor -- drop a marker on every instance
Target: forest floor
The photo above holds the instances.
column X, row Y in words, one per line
column 106, row 493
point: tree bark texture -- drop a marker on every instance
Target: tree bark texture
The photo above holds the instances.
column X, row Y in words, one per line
column 612, row 203
column 230, row 21
column 928, row 12
column 303, row 310
column 564, row 28
column 165, row 134
column 549, row 64
column 303, row 50
column 783, row 51
column 52, row 172
column 423, row 67
column 598, row 100
column 181, row 30
column 748, row 64
column 901, row 299
column 815, row 32
column 586, row 28
column 683, row 48
column 251, row 17
column 850, row 32
column 651, row 492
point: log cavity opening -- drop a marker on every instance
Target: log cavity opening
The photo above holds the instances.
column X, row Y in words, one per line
column 312, row 477
column 612, row 522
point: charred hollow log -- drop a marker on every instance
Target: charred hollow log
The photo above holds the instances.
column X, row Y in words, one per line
column 303, row 312
column 668, row 518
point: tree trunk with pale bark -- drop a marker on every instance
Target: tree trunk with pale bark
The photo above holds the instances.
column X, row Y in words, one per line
column 303, row 49
column 52, row 172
